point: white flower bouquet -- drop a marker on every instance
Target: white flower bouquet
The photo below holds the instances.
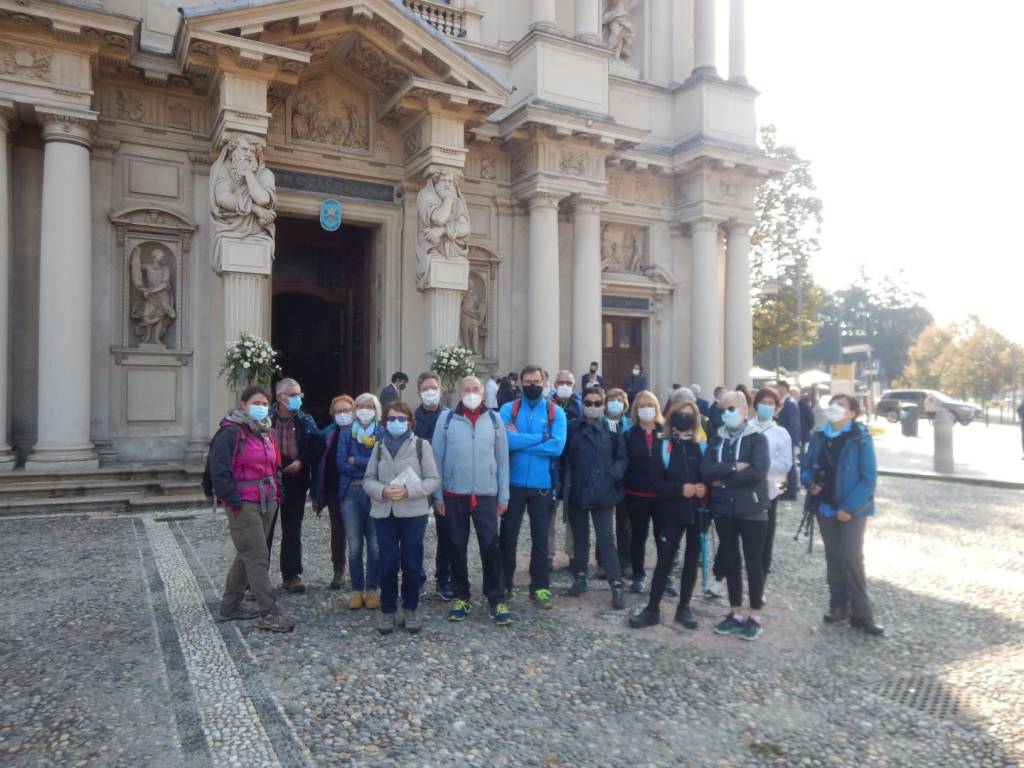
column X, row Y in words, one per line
column 249, row 360
column 451, row 363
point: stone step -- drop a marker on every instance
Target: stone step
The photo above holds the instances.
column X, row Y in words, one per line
column 114, row 503
column 115, row 472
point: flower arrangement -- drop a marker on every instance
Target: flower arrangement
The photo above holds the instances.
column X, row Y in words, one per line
column 249, row 360
column 451, row 363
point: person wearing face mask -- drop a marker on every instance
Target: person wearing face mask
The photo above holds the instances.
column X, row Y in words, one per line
column 426, row 418
column 592, row 378
column 682, row 498
column 767, row 405
column 355, row 445
column 400, row 479
column 643, row 447
column 325, row 483
column 736, row 464
column 471, row 448
column 840, row 476
column 595, row 465
column 245, row 474
column 616, row 411
column 393, row 391
column 301, row 445
column 566, row 399
column 635, row 383
column 789, row 419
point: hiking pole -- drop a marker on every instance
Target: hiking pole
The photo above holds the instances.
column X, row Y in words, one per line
column 703, row 553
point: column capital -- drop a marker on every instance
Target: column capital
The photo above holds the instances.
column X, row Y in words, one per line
column 705, row 224
column 739, row 226
column 71, row 127
column 542, row 198
column 586, row 203
column 8, row 115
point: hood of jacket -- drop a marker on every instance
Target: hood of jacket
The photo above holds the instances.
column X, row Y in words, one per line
column 750, row 428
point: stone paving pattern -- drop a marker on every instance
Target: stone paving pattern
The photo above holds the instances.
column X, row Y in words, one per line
column 106, row 658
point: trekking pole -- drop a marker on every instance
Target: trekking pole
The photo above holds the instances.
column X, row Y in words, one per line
column 703, row 561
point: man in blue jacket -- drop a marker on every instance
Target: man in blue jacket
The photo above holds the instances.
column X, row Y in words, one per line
column 789, row 420
column 536, row 437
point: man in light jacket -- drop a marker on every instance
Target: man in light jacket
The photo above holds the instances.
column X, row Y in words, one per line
column 471, row 449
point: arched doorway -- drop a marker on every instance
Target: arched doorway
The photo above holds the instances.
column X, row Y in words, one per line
column 321, row 309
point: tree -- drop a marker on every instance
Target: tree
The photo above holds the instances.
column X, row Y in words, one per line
column 979, row 364
column 927, row 358
column 782, row 245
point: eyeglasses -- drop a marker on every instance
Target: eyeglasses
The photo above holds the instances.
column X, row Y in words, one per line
column 563, row 383
column 397, row 419
column 593, row 403
column 294, row 394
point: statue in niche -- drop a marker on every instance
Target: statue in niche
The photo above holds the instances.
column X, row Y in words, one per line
column 243, row 196
column 153, row 307
column 472, row 321
column 609, row 252
column 632, row 254
column 621, row 29
column 444, row 226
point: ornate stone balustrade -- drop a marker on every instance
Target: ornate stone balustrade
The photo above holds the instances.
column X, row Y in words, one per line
column 443, row 17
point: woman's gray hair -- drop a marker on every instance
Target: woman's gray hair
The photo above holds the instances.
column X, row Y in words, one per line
column 736, row 399
column 370, row 399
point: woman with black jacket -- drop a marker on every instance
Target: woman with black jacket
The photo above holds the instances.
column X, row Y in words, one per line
column 681, row 492
column 736, row 464
column 643, row 447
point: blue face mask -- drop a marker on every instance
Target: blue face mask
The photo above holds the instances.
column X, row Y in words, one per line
column 294, row 403
column 732, row 419
column 398, row 428
column 765, row 412
column 615, row 407
column 257, row 412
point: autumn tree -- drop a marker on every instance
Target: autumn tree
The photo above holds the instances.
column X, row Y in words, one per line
column 927, row 358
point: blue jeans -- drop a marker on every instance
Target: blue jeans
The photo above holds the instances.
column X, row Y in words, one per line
column 355, row 512
column 401, row 545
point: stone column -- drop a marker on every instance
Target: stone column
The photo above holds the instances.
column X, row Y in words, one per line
column 542, row 283
column 586, row 284
column 65, row 300
column 737, row 42
column 706, row 320
column 443, row 307
column 739, row 333
column 6, row 454
column 545, row 16
column 588, row 21
column 704, row 38
column 246, row 305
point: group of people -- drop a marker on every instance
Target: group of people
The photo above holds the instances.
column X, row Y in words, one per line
column 611, row 458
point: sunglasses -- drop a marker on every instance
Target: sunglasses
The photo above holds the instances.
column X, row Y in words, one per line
column 593, row 403
column 396, row 419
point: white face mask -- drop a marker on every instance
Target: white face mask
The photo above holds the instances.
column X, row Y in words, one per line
column 472, row 400
column 636, row 371
column 592, row 412
column 647, row 414
column 430, row 397
column 564, row 391
column 835, row 412
column 343, row 419
column 366, row 415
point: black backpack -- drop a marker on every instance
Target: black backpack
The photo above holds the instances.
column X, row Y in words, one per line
column 207, row 481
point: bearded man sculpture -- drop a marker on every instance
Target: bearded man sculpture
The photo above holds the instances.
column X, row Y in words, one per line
column 243, row 197
column 444, row 226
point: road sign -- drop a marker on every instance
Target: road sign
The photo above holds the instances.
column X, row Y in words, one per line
column 856, row 349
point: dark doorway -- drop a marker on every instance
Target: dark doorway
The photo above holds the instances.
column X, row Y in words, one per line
column 623, row 348
column 321, row 309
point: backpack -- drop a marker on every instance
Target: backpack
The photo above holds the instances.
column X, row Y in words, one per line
column 207, row 481
column 494, row 419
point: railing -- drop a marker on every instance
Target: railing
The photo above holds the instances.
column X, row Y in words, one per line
column 440, row 16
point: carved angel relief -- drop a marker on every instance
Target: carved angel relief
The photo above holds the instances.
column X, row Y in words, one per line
column 325, row 114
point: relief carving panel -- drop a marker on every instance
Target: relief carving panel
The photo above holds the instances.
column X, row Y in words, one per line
column 25, row 62
column 622, row 249
column 328, row 110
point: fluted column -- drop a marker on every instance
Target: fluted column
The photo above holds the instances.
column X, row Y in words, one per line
column 704, row 38
column 544, row 16
column 588, row 21
column 586, row 283
column 246, row 305
column 6, row 454
column 542, row 283
column 65, row 300
column 737, row 42
column 706, row 320
column 739, row 330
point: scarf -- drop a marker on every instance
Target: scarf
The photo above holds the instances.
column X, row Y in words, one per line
column 366, row 436
column 240, row 417
column 831, row 432
column 393, row 444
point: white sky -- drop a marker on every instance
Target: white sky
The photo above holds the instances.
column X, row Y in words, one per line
column 910, row 113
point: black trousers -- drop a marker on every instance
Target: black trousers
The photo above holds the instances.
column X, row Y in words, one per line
column 484, row 517
column 538, row 503
column 672, row 531
column 844, row 564
column 442, row 559
column 293, row 508
column 642, row 512
column 732, row 533
column 769, row 539
column 337, row 532
column 580, row 520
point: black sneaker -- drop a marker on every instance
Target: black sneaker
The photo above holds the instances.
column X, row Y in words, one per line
column 869, row 627
column 638, row 584
column 684, row 616
column 579, row 585
column 445, row 592
column 730, row 625
column 618, row 596
column 751, row 630
column 837, row 614
column 647, row 617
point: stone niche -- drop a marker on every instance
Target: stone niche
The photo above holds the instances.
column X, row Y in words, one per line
column 623, row 248
column 478, row 319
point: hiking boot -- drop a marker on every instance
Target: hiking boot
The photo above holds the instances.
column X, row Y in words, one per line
column 618, row 596
column 500, row 614
column 600, row 573
column 357, row 601
column 337, row 581
column 869, row 627
column 837, row 614
column 275, row 621
column 459, row 611
column 638, row 584
column 671, row 589
column 372, row 601
column 385, row 623
column 240, row 612
column 730, row 625
column 684, row 616
column 647, row 617
column 579, row 585
column 294, row 585
column 445, row 592
column 542, row 599
column 411, row 621
column 751, row 629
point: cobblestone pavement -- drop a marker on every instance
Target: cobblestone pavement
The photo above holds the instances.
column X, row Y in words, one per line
column 109, row 657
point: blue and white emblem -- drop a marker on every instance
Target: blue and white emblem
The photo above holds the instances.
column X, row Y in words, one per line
column 330, row 214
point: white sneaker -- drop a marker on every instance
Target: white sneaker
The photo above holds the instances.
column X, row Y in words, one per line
column 716, row 590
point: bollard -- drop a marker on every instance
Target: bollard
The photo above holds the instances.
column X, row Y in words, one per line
column 943, row 426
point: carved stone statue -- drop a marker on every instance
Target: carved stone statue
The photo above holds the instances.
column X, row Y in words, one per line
column 609, row 252
column 444, row 226
column 632, row 254
column 472, row 319
column 621, row 30
column 243, row 197
column 154, row 306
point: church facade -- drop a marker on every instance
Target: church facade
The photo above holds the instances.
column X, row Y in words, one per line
column 358, row 181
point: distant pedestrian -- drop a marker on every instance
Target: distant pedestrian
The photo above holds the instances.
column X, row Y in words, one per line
column 715, row 410
column 790, row 420
column 703, row 406
column 806, row 404
column 393, row 391
column 592, row 378
column 635, row 383
column 324, row 491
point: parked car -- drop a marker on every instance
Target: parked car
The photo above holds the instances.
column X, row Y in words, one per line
column 894, row 400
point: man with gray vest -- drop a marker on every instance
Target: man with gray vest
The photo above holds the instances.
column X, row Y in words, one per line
column 471, row 450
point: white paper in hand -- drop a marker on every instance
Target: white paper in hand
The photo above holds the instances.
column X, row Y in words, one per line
column 405, row 478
